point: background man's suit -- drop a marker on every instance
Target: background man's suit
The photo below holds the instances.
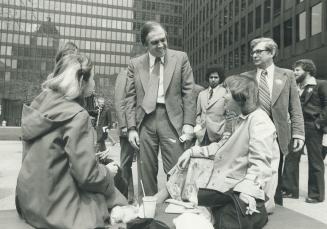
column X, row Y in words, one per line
column 210, row 114
column 127, row 151
column 314, row 106
column 284, row 100
column 178, row 110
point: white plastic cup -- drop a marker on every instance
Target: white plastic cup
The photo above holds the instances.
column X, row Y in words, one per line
column 149, row 205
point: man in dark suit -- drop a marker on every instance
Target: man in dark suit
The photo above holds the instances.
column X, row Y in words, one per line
column 126, row 149
column 160, row 104
column 313, row 96
column 278, row 97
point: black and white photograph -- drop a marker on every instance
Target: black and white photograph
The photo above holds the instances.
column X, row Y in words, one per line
column 163, row 114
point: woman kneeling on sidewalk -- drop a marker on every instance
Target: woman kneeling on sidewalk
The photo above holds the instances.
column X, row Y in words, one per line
column 234, row 186
column 60, row 184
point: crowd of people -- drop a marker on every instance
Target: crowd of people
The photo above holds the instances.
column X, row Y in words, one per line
column 251, row 129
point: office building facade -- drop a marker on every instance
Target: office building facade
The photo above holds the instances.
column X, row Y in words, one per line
column 219, row 32
column 105, row 30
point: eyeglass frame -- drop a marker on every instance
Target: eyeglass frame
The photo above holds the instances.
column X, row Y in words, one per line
column 258, row 51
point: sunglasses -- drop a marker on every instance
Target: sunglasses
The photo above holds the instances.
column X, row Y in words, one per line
column 156, row 42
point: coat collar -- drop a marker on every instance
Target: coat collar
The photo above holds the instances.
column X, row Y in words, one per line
column 218, row 94
column 278, row 84
column 308, row 92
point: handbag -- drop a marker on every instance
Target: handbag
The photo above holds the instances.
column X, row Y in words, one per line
column 184, row 184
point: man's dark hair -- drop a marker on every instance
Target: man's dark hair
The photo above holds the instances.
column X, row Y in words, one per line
column 147, row 28
column 307, row 66
column 216, row 68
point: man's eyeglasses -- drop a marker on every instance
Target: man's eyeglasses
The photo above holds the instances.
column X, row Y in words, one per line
column 156, row 42
column 258, row 51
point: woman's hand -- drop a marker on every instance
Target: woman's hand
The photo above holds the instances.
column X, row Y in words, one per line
column 184, row 158
column 103, row 155
column 251, row 202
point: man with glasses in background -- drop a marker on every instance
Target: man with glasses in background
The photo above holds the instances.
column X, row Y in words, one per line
column 279, row 98
column 160, row 104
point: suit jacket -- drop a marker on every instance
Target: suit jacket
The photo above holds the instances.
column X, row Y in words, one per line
column 104, row 120
column 119, row 99
column 314, row 104
column 285, row 100
column 243, row 163
column 210, row 114
column 178, row 85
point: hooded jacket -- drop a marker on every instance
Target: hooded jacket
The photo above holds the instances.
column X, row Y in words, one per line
column 60, row 184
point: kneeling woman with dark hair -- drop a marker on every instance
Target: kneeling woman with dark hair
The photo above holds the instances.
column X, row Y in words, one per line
column 60, row 184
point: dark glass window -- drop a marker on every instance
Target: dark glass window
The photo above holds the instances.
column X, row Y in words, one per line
column 266, row 11
column 250, row 22
column 276, row 34
column 277, row 7
column 288, row 32
column 243, row 55
column 258, row 17
column 243, row 27
column 236, row 7
column 236, row 29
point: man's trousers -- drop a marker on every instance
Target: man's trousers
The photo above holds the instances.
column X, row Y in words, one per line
column 156, row 131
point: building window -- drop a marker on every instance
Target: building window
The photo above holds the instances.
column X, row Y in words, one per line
column 243, row 5
column 276, row 34
column 236, row 7
column 288, row 32
column 236, row 31
column 230, row 36
column 230, row 61
column 316, row 19
column 7, row 76
column 258, row 17
column 266, row 13
column 243, row 55
column 236, row 58
column 243, row 27
column 301, row 26
column 277, row 6
column 288, row 4
column 250, row 22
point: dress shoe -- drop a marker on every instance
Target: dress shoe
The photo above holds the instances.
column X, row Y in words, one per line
column 312, row 200
column 290, row 195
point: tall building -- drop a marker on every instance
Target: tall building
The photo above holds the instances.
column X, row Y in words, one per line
column 220, row 32
column 105, row 30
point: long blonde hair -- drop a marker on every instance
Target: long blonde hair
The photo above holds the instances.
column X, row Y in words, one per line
column 70, row 75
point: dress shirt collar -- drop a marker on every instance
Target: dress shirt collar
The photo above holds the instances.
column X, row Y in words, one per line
column 270, row 70
column 153, row 59
column 214, row 89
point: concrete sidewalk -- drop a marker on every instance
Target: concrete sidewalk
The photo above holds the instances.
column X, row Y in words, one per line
column 10, row 154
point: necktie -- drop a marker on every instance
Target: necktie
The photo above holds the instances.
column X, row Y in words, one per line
column 150, row 97
column 264, row 94
column 210, row 93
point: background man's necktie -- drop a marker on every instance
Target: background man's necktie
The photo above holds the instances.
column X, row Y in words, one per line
column 210, row 93
column 151, row 94
column 264, row 94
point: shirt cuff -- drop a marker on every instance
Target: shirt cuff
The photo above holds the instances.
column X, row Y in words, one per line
column 298, row 137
